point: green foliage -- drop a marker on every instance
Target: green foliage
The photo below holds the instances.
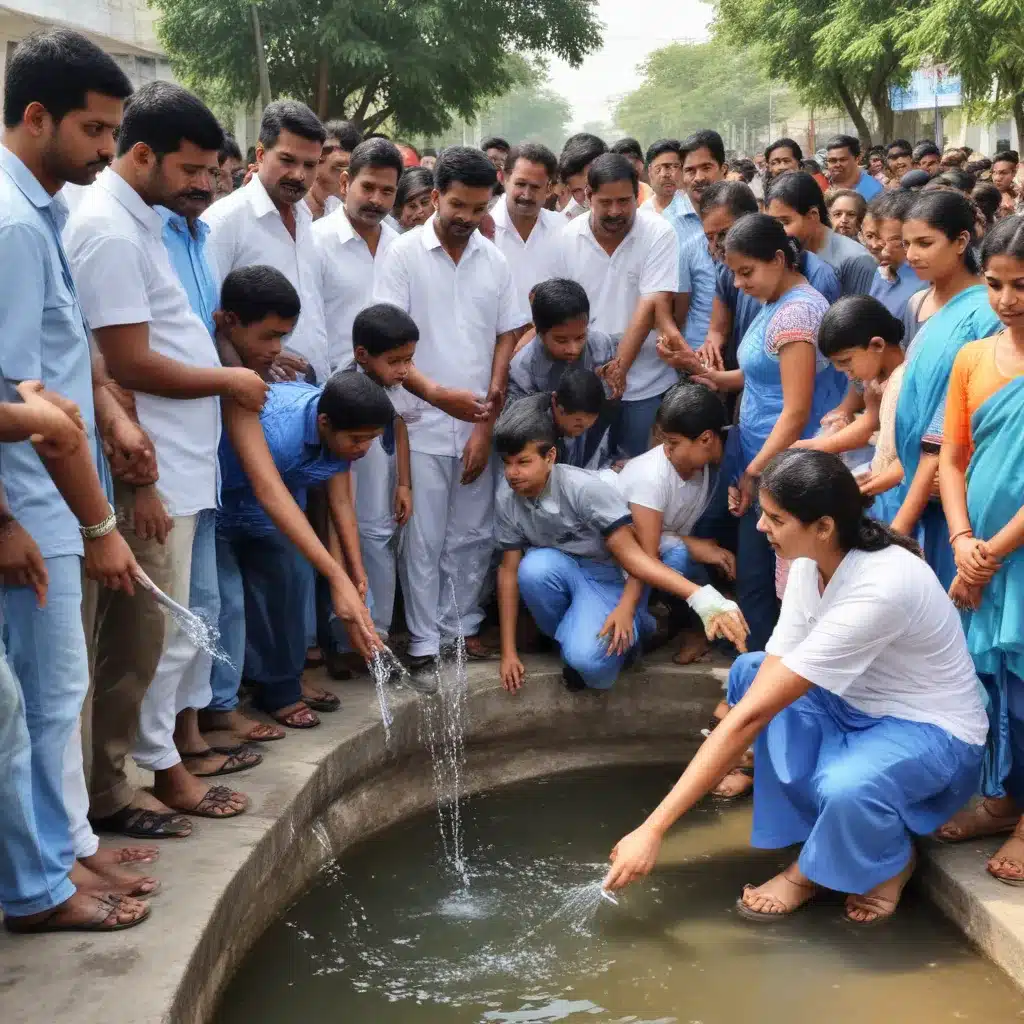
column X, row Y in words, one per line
column 411, row 63
column 688, row 86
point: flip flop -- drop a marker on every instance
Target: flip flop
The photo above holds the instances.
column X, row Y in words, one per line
column 240, row 761
column 215, row 796
column 327, row 703
column 977, row 826
column 760, row 915
column 749, row 791
column 106, row 905
column 1018, row 882
column 138, row 823
column 293, row 719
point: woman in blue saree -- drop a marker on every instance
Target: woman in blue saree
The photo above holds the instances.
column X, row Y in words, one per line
column 981, row 473
column 939, row 236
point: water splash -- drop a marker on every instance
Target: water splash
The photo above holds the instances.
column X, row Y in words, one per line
column 203, row 635
column 383, row 668
column 320, row 831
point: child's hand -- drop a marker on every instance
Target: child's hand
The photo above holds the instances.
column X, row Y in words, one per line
column 618, row 630
column 403, row 504
column 512, row 671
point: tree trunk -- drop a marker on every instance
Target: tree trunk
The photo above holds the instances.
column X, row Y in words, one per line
column 1018, row 115
column 853, row 109
column 261, row 59
column 882, row 106
column 323, row 81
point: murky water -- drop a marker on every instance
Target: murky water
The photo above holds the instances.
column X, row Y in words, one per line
column 390, row 935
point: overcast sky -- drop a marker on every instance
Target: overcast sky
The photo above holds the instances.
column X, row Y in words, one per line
column 632, row 29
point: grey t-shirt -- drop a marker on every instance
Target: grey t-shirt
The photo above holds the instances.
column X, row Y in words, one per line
column 574, row 514
column 853, row 264
column 532, row 369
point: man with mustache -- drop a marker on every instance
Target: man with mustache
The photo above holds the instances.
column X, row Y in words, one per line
column 523, row 230
column 266, row 222
column 156, row 346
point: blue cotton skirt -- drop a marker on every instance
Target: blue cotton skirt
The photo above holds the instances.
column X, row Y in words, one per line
column 851, row 788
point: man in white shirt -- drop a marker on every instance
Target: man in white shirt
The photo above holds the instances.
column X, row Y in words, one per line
column 458, row 288
column 351, row 240
column 523, row 230
column 266, row 222
column 157, row 347
column 324, row 196
column 628, row 263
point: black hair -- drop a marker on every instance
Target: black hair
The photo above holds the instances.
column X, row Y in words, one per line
column 662, row 146
column 557, row 300
column 785, row 143
column 800, row 192
column 955, row 177
column 534, row 153
column 707, row 139
column 988, row 199
column 689, row 409
column 848, row 193
column 382, row 327
column 745, row 167
column 760, row 237
column 950, row 212
column 628, row 147
column 522, row 424
column 229, row 151
column 580, row 390
column 849, row 142
column 430, row 151
column 289, row 116
column 926, row 148
column 464, row 166
column 495, row 142
column 58, row 68
column 899, row 147
column 378, row 154
column 376, row 135
column 1005, row 239
column 735, row 196
column 344, row 133
column 163, row 116
column 1007, row 156
column 893, row 204
column 814, row 485
column 811, row 166
column 578, row 152
column 352, row 401
column 256, row 292
column 853, row 320
column 611, row 167
column 412, row 181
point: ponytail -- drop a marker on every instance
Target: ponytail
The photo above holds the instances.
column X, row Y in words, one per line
column 873, row 535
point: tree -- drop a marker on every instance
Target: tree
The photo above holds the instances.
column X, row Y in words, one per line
column 982, row 41
column 411, row 63
column 688, row 86
column 847, row 53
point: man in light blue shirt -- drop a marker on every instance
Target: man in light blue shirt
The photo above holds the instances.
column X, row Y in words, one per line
column 185, row 238
column 843, row 151
column 63, row 98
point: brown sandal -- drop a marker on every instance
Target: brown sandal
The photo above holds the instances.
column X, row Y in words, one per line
column 883, row 907
column 301, row 718
column 975, row 823
column 775, row 915
column 216, row 796
column 238, row 760
column 107, row 905
column 741, row 772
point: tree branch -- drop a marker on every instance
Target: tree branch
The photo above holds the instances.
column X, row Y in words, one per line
column 375, row 120
column 368, row 93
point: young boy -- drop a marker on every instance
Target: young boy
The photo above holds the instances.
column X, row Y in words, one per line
column 566, row 535
column 384, row 341
column 668, row 490
column 265, row 546
column 895, row 280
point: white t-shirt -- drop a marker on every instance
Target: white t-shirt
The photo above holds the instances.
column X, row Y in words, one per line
column 644, row 262
column 650, row 480
column 123, row 274
column 885, row 637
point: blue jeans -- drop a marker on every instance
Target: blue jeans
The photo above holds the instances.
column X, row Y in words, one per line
column 570, row 598
column 631, row 434
column 755, row 580
column 679, row 558
column 46, row 652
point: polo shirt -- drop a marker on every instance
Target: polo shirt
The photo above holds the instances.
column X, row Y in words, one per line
column 186, row 247
column 124, row 275
column 460, row 309
column 246, row 230
column 529, row 261
column 894, row 293
column 696, row 267
column 289, row 421
column 645, row 262
column 43, row 336
column 346, row 279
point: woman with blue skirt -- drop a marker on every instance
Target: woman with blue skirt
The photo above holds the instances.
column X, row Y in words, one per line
column 865, row 707
column 981, row 473
column 939, row 237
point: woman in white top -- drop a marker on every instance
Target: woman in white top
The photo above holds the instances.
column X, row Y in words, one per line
column 865, row 707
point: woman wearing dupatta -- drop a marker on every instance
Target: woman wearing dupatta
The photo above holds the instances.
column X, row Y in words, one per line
column 939, row 236
column 981, row 472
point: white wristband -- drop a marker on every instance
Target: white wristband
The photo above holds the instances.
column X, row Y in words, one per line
column 708, row 603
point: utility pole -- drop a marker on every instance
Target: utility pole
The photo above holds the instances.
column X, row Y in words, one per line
column 261, row 58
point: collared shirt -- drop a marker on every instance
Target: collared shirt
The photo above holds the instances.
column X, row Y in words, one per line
column 289, row 421
column 43, row 336
column 460, row 309
column 646, row 261
column 186, row 245
column 696, row 267
column 246, row 230
column 867, row 186
column 894, row 293
column 574, row 513
column 346, row 278
column 529, row 260
column 124, row 276
column 590, row 450
column 532, row 368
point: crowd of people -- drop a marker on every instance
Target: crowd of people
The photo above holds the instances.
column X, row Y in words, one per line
column 639, row 395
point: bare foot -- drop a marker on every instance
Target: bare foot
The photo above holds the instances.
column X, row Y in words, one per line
column 90, row 875
column 246, row 729
column 1007, row 863
column 780, row 896
column 985, row 818
column 693, row 648
column 181, row 790
column 86, row 911
column 119, row 855
column 880, row 903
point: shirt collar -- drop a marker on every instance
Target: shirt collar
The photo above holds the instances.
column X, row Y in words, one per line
column 681, row 204
column 27, row 182
column 341, row 225
column 431, row 241
column 112, row 183
column 179, row 224
column 262, row 205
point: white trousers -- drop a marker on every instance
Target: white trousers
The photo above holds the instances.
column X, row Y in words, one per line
column 449, row 538
column 84, row 841
column 375, row 477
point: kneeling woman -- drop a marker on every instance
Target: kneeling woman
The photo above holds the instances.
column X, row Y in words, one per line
column 865, row 707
